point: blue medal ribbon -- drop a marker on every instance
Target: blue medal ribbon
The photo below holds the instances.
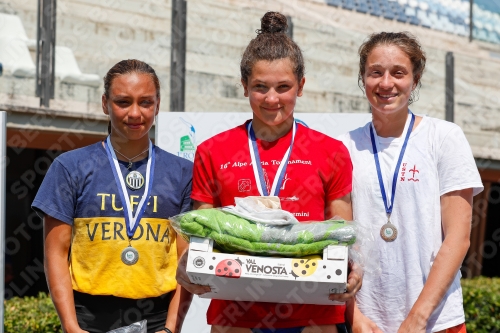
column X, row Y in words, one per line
column 257, row 167
column 131, row 221
column 388, row 209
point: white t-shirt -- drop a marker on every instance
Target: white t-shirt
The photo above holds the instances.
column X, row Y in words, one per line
column 438, row 160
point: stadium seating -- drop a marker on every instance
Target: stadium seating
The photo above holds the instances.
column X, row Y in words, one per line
column 451, row 16
column 15, row 55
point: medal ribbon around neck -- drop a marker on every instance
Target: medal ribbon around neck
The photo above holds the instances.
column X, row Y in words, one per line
column 406, row 134
column 131, row 221
column 257, row 167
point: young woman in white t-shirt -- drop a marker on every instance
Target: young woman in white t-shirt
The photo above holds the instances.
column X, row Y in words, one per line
column 413, row 183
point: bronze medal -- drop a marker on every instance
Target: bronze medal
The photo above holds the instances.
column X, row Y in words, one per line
column 388, row 232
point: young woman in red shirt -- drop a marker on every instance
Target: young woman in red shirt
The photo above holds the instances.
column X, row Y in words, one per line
column 310, row 172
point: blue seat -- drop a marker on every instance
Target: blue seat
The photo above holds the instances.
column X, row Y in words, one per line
column 423, row 18
column 463, row 30
column 402, row 18
column 386, row 7
column 362, row 9
column 496, row 38
column 376, row 11
column 399, row 11
column 489, row 5
column 414, row 20
column 348, row 4
column 492, row 37
column 361, row 4
column 409, row 11
column 389, row 15
column 481, row 34
column 456, row 20
column 336, row 3
column 459, row 21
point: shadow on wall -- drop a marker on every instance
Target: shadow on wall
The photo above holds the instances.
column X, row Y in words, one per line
column 24, row 229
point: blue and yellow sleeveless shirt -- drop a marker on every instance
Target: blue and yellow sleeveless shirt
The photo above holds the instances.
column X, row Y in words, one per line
column 79, row 189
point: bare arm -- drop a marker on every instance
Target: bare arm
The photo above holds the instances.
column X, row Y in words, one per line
column 181, row 298
column 182, row 277
column 57, row 239
column 456, row 215
column 342, row 207
column 359, row 322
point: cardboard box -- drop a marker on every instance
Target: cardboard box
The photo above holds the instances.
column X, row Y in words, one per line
column 268, row 279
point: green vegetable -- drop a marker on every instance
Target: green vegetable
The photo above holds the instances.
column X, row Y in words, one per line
column 232, row 234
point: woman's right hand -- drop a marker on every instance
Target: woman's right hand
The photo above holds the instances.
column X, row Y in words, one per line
column 365, row 325
column 76, row 330
column 359, row 322
column 183, row 278
column 57, row 241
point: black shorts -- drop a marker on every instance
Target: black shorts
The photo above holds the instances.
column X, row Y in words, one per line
column 100, row 314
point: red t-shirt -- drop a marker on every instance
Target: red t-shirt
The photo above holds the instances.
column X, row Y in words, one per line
column 319, row 170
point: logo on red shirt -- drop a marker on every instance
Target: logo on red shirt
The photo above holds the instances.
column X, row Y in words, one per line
column 285, row 179
column 244, row 185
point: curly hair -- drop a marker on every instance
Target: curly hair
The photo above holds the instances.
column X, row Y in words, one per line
column 272, row 43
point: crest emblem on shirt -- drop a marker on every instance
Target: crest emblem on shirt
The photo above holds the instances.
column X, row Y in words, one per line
column 244, row 185
column 414, row 171
column 285, row 180
column 134, row 180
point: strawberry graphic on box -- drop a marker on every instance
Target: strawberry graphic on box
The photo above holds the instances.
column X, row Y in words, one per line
column 230, row 268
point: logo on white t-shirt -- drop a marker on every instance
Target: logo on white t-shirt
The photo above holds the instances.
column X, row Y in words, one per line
column 403, row 171
column 413, row 171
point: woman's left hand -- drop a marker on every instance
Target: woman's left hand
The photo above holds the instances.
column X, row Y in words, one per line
column 413, row 324
column 183, row 278
column 354, row 282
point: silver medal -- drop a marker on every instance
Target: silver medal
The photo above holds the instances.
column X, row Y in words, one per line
column 130, row 256
column 388, row 232
column 134, row 180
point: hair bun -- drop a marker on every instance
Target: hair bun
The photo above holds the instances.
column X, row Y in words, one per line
column 273, row 22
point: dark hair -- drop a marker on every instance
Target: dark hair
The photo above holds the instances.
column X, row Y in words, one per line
column 272, row 43
column 127, row 67
column 407, row 43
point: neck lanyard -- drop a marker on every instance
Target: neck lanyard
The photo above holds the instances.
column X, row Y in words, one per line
column 257, row 167
column 406, row 134
column 131, row 220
